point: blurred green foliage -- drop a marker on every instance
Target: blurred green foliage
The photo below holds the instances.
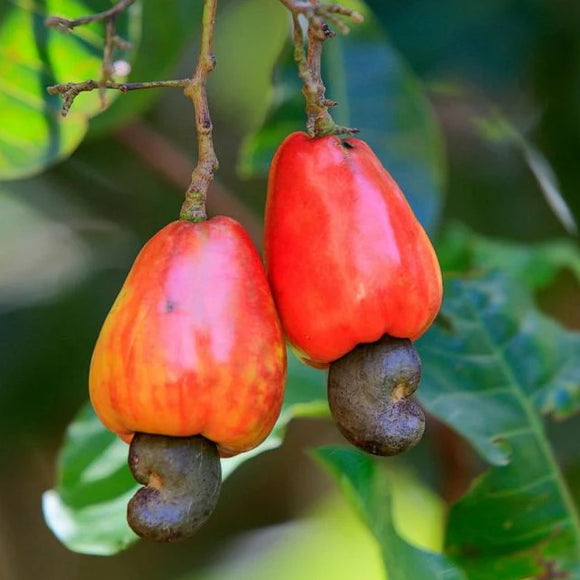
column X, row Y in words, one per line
column 68, row 235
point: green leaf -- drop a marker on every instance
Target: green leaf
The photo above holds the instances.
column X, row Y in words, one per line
column 367, row 485
column 33, row 133
column 331, row 540
column 247, row 50
column 492, row 364
column 285, row 115
column 87, row 508
column 394, row 118
column 536, row 265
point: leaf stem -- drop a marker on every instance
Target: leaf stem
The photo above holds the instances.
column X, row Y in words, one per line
column 193, row 208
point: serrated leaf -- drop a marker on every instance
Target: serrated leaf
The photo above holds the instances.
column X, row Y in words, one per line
column 536, row 264
column 366, row 484
column 492, row 363
column 87, row 508
column 33, row 133
column 378, row 94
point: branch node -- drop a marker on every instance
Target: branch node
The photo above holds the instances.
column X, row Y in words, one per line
column 58, row 23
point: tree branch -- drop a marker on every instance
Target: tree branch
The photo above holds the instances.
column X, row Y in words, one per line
column 66, row 25
column 194, row 206
column 70, row 91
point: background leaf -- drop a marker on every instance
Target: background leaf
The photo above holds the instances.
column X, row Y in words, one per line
column 33, row 134
column 332, row 540
column 395, row 118
column 492, row 364
column 169, row 28
column 498, row 129
column 366, row 484
column 87, row 509
column 536, row 265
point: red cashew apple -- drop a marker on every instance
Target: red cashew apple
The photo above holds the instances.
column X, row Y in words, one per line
column 192, row 348
column 346, row 258
column 350, row 265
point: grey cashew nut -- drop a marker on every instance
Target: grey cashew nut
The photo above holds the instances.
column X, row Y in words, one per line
column 182, row 476
column 370, row 393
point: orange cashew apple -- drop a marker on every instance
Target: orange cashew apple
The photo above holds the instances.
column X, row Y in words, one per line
column 192, row 348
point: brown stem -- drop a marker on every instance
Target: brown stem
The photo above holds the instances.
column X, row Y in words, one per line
column 66, row 25
column 70, row 91
column 193, row 208
column 319, row 120
column 107, row 67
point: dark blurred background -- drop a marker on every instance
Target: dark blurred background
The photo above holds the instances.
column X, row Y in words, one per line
column 68, row 237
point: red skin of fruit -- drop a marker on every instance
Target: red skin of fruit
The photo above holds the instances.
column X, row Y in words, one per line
column 345, row 256
column 192, row 344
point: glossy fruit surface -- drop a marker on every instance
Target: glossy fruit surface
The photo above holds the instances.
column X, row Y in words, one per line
column 346, row 258
column 192, row 344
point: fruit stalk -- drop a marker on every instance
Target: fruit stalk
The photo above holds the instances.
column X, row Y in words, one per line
column 193, row 208
column 319, row 120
